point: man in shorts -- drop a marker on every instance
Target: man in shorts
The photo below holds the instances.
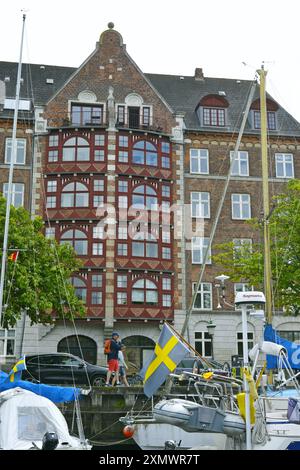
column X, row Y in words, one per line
column 112, row 359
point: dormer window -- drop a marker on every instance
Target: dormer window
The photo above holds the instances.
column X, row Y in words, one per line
column 272, row 107
column 212, row 111
column 84, row 115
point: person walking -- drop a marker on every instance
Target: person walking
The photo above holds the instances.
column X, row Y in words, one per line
column 122, row 367
column 112, row 359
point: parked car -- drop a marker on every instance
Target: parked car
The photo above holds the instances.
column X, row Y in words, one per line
column 186, row 365
column 62, row 368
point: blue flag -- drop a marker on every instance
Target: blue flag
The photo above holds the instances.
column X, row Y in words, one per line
column 169, row 351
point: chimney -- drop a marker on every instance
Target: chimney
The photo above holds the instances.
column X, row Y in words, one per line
column 199, row 74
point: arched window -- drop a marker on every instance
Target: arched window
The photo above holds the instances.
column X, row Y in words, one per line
column 81, row 346
column 75, row 195
column 77, row 239
column 144, row 245
column 139, row 350
column 144, row 197
column 76, row 149
column 80, row 288
column 144, row 291
column 144, row 153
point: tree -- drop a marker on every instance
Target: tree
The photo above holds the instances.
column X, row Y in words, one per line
column 39, row 282
column 247, row 263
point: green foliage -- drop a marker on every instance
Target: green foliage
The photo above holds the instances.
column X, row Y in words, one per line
column 284, row 223
column 39, row 281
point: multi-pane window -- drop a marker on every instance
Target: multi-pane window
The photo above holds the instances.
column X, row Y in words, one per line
column 239, row 341
column 144, row 291
column 122, row 298
column 199, row 247
column 97, row 249
column 144, row 245
column 123, row 186
column 121, row 115
column 51, row 186
column 214, row 117
column 144, row 153
column 199, row 161
column 17, row 193
column 241, row 246
column 77, row 239
column 203, row 343
column 52, row 156
column 284, row 165
column 122, row 202
column 122, row 249
column 240, row 166
column 76, row 149
column 122, row 232
column 203, row 300
column 122, row 281
column 165, row 161
column 146, row 116
column 98, row 197
column 144, row 197
column 123, row 156
column 87, row 114
column 96, row 280
column 271, row 120
column 166, row 252
column 123, row 141
column 241, row 206
column 53, row 140
column 167, row 300
column 80, row 288
column 200, row 204
column 166, row 191
column 293, row 336
column 75, row 195
column 50, row 232
column 50, row 202
column 7, row 342
column 20, row 151
column 99, row 151
column 96, row 297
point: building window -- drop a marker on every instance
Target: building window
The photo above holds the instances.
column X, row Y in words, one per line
column 200, row 205
column 122, row 233
column 99, row 140
column 284, row 165
column 166, row 235
column 240, row 166
column 17, row 193
column 203, row 343
column 84, row 115
column 76, row 149
column 241, row 287
column 203, row 300
column 166, row 283
column 97, row 281
column 165, row 161
column 123, row 156
column 123, row 141
column 240, row 206
column 96, row 298
column 123, row 186
column 146, row 116
column 166, row 252
column 20, row 154
column 239, row 340
column 241, row 247
column 144, row 153
column 52, row 156
column 122, row 202
column 77, row 239
column 75, row 195
column 97, row 249
column 214, row 117
column 122, row 298
column 144, row 291
column 80, row 288
column 144, row 197
column 166, row 191
column 199, row 247
column 53, row 140
column 144, row 245
column 51, row 186
column 121, row 115
column 271, row 120
column 50, row 233
column 7, row 342
column 167, row 300
column 51, row 202
column 122, row 281
column 122, row 249
column 199, row 161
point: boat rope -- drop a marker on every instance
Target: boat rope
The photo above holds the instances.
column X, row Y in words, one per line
column 259, row 432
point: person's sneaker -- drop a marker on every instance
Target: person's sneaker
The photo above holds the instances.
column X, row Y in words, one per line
column 107, row 385
column 118, row 383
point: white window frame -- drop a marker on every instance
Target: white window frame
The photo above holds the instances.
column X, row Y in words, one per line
column 242, row 156
column 240, row 341
column 21, row 146
column 200, row 205
column 203, row 292
column 14, row 193
column 284, row 163
column 5, row 338
column 201, row 156
column 205, row 338
column 239, row 243
column 241, row 287
column 241, row 206
column 199, row 244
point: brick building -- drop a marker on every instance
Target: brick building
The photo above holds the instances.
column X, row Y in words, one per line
column 107, row 138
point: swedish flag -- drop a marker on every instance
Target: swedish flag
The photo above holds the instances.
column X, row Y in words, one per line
column 15, row 373
column 169, row 351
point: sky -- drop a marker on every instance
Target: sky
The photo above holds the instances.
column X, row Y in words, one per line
column 227, row 38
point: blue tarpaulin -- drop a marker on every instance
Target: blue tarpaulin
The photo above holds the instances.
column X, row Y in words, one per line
column 293, row 349
column 54, row 393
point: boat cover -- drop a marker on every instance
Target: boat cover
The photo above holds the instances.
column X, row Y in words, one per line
column 292, row 349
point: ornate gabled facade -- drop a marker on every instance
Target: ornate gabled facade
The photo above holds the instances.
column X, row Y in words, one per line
column 112, row 143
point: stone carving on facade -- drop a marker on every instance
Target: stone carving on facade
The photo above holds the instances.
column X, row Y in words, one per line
column 111, row 110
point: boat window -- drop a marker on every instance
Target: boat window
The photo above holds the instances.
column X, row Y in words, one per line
column 34, row 422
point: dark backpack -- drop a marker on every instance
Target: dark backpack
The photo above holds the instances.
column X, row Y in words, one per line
column 107, row 348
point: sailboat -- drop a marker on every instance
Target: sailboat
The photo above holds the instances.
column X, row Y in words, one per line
column 29, row 417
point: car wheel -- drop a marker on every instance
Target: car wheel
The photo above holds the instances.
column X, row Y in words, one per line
column 98, row 381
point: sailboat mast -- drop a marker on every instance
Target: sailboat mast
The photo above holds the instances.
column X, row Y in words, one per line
column 11, row 172
column 266, row 203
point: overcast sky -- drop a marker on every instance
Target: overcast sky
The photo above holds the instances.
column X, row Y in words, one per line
column 167, row 36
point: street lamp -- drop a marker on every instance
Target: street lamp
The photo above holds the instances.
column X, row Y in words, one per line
column 211, row 330
column 244, row 301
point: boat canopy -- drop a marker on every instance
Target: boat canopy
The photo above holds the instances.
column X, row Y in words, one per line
column 292, row 349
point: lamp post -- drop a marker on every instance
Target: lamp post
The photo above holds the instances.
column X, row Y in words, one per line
column 211, row 330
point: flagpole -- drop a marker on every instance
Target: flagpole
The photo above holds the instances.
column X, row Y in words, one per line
column 11, row 172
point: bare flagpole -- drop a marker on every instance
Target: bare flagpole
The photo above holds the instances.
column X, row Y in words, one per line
column 11, row 172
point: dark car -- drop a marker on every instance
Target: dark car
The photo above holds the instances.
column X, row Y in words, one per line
column 61, row 369
column 186, row 365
